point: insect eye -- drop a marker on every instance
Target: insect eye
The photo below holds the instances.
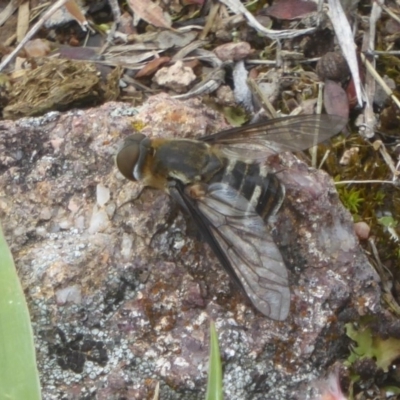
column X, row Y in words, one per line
column 129, row 155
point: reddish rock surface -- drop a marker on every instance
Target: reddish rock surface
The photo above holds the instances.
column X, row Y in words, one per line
column 121, row 295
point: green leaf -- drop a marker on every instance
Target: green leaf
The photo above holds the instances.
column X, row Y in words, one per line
column 214, row 384
column 371, row 346
column 390, row 390
column 235, row 116
column 19, row 377
column 388, row 222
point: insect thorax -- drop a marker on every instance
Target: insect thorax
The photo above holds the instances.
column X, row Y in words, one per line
column 188, row 161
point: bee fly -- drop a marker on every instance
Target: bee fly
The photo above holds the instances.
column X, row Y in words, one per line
column 224, row 183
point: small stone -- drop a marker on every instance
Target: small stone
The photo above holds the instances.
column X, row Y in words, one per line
column 126, row 247
column 362, row 230
column 64, row 224
column 45, row 214
column 70, row 294
column 177, row 77
column 99, row 221
column 225, row 96
column 102, row 195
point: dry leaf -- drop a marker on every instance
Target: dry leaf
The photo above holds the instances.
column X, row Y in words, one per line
column 125, row 24
column 351, row 94
column 189, row 2
column 37, row 48
column 291, row 9
column 8, row 10
column 78, row 53
column 392, row 27
column 169, row 39
column 233, row 51
column 152, row 66
column 150, row 12
column 23, row 20
column 74, row 9
column 335, row 100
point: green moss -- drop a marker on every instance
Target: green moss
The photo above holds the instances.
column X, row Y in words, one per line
column 351, row 198
column 367, row 202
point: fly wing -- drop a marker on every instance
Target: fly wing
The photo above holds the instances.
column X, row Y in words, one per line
column 291, row 133
column 243, row 244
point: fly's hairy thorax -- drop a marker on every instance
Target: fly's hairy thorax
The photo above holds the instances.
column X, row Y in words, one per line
column 255, row 183
column 188, row 161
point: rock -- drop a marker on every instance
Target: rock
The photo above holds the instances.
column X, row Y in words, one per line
column 145, row 285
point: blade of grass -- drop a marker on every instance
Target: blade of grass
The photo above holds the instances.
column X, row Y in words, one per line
column 19, row 377
column 214, row 384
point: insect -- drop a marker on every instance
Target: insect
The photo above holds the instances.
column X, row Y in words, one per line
column 224, row 183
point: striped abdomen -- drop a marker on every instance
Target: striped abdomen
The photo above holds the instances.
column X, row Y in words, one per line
column 254, row 182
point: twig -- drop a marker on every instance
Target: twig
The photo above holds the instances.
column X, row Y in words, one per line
column 238, row 8
column 314, row 149
column 210, row 20
column 117, row 17
column 324, row 159
column 370, row 84
column 157, row 392
column 364, row 182
column 381, row 82
column 261, row 62
column 384, row 53
column 181, row 54
column 344, row 36
column 273, row 62
column 389, row 162
column 265, row 103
